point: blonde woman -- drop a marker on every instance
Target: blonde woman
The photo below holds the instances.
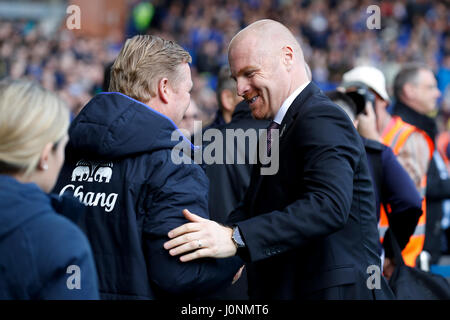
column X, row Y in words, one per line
column 42, row 254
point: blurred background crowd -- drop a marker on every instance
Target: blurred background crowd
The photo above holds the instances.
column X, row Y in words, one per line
column 333, row 34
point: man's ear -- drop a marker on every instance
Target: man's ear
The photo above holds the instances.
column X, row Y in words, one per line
column 288, row 57
column 164, row 90
column 43, row 160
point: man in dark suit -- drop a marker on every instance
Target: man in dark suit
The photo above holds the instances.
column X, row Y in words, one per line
column 308, row 231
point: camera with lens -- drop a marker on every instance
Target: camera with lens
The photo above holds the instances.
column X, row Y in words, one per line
column 360, row 94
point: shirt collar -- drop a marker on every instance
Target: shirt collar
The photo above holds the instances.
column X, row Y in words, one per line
column 287, row 103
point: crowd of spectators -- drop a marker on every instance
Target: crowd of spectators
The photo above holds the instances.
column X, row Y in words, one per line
column 334, row 36
column 72, row 67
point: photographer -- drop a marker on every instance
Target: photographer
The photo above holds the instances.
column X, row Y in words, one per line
column 393, row 187
column 412, row 146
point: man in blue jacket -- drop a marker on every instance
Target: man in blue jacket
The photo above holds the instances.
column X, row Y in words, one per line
column 119, row 164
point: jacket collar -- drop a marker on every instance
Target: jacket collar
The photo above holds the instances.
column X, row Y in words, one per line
column 418, row 120
column 19, row 202
column 288, row 102
column 286, row 124
column 296, row 106
column 114, row 125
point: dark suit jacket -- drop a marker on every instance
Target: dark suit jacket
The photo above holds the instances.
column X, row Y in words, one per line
column 311, row 229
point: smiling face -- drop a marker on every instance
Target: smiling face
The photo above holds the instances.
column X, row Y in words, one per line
column 260, row 77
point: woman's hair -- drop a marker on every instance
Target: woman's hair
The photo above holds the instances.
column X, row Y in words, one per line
column 30, row 117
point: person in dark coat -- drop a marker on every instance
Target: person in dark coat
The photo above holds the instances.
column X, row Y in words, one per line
column 122, row 163
column 309, row 230
column 43, row 255
column 227, row 99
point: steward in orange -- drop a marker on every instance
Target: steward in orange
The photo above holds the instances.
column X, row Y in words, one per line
column 412, row 153
column 396, row 136
column 442, row 143
column 416, row 92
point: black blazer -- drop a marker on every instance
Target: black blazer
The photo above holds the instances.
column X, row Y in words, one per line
column 311, row 228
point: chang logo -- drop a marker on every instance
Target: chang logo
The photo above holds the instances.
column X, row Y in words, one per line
column 90, row 171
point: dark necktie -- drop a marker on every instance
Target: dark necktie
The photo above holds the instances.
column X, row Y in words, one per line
column 273, row 125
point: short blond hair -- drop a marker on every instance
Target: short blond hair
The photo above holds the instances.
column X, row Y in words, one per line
column 143, row 61
column 30, row 118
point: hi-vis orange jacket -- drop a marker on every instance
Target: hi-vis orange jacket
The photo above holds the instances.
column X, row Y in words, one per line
column 395, row 136
column 442, row 142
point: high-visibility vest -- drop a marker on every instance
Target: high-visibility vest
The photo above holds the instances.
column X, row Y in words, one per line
column 395, row 136
column 442, row 142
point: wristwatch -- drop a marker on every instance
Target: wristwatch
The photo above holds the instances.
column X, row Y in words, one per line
column 237, row 239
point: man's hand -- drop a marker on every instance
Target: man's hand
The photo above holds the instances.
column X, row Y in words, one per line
column 201, row 238
column 366, row 123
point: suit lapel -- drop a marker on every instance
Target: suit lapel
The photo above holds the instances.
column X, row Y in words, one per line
column 285, row 126
column 295, row 108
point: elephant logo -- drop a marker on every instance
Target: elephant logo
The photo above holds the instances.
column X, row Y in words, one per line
column 92, row 171
column 103, row 172
column 82, row 171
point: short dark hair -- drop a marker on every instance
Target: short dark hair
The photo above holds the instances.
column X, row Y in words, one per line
column 407, row 74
